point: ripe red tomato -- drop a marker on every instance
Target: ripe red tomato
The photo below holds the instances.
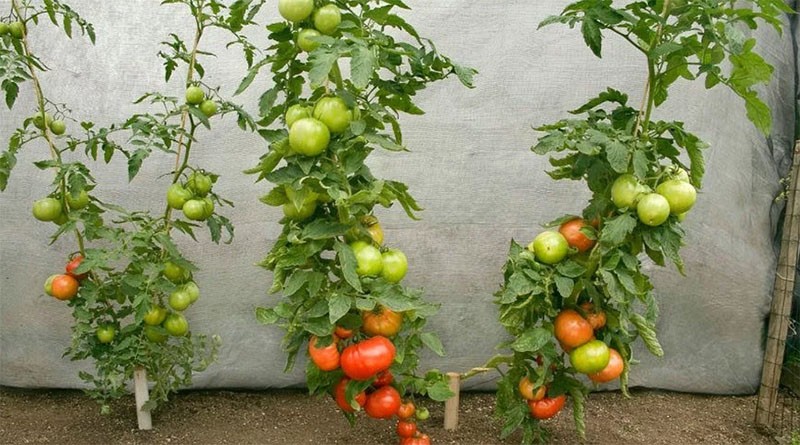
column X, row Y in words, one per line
column 72, row 265
column 577, row 239
column 326, row 358
column 571, row 329
column 547, row 408
column 381, row 321
column 343, row 333
column 339, row 393
column 406, row 410
column 595, row 318
column 363, row 360
column 611, row 371
column 383, row 378
column 529, row 391
column 419, row 439
column 406, row 428
column 64, row 287
column 383, row 403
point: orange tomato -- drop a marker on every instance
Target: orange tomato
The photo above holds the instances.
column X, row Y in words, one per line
column 571, row 329
column 64, row 287
column 612, row 370
column 577, row 239
column 381, row 321
column 595, row 318
column 326, row 358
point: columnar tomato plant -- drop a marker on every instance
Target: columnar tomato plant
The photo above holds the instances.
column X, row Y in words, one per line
column 575, row 299
column 342, row 297
column 127, row 283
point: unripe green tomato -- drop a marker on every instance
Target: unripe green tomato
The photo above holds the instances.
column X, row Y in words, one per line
column 303, row 213
column 175, row 273
column 327, row 19
column 40, row 122
column 155, row 334
column 47, row 209
column 176, row 325
column 199, row 183
column 653, row 209
column 195, row 209
column 309, row 137
column 3, row 28
column 368, row 258
column 155, row 316
column 105, row 333
column 177, row 196
column 333, row 112
column 680, row 194
column 179, row 300
column 78, row 203
column 194, row 95
column 295, row 113
column 395, row 265
column 625, row 191
column 550, row 247
column 17, row 29
column 590, row 358
column 192, row 290
column 422, row 413
column 208, row 207
column 58, row 127
column 295, row 10
column 304, row 41
column 208, row 107
column 61, row 219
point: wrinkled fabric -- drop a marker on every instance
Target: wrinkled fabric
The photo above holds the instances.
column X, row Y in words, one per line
column 470, row 167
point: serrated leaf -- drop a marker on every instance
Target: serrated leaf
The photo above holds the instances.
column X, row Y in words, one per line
column 348, row 263
column 266, row 316
column 532, row 340
column 362, row 66
column 592, row 36
column 648, row 334
column 439, row 391
column 338, row 306
column 432, row 341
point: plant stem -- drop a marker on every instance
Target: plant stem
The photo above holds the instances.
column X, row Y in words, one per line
column 648, row 98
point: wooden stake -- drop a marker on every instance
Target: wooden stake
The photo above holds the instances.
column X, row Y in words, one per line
column 451, row 404
column 142, row 396
column 780, row 312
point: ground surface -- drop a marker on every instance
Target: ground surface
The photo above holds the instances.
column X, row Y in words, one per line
column 292, row 417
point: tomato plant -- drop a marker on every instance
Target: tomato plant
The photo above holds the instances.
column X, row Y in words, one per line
column 322, row 123
column 592, row 301
column 127, row 269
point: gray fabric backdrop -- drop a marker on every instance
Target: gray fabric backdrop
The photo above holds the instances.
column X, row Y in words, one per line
column 470, row 167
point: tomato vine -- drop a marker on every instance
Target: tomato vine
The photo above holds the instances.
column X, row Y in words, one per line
column 330, row 262
column 580, row 292
column 128, row 284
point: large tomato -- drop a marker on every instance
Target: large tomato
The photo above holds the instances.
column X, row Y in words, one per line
column 177, row 196
column 176, row 325
column 680, row 195
column 547, row 408
column 327, row 19
column 73, row 264
column 195, row 209
column 549, row 247
column 381, row 321
column 395, row 265
column 309, row 136
column 595, row 318
column 326, row 358
column 653, row 209
column 574, row 236
column 305, row 41
column 333, row 112
column 295, row 113
column 626, row 190
column 572, row 330
column 383, row 403
column 46, row 209
column 368, row 258
column 361, row 361
column 590, row 358
column 155, row 316
column 406, row 428
column 340, row 394
column 64, row 287
column 295, row 10
column 179, row 300
column 612, row 370
column 529, row 391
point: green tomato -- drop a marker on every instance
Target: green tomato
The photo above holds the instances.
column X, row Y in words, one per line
column 175, row 273
column 58, row 127
column 17, row 29
column 78, row 203
column 195, row 209
column 550, row 247
column 40, row 122
column 625, row 191
column 47, row 209
column 199, row 183
column 61, row 219
column 422, row 413
column 680, row 194
column 3, row 28
column 681, row 216
column 304, row 41
column 179, row 300
column 368, row 258
column 105, row 333
column 194, row 95
column 591, row 357
column 155, row 334
column 177, row 196
column 309, row 137
column 208, row 207
column 395, row 266
column 176, row 325
column 303, row 213
column 192, row 290
column 295, row 10
column 653, row 209
column 48, row 284
column 327, row 19
column 681, row 175
column 333, row 112
column 295, row 113
column 155, row 316
column 208, row 107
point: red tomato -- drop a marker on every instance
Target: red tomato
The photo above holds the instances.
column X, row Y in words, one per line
column 383, row 403
column 547, row 408
column 529, row 391
column 420, row 439
column 326, row 358
column 406, row 410
column 343, row 333
column 363, row 360
column 612, row 370
column 406, row 428
column 339, row 393
column 572, row 232
column 72, row 265
column 595, row 318
column 381, row 321
column 64, row 287
column 571, row 329
column 383, row 378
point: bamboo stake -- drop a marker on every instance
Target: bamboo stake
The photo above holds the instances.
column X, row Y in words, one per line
column 142, row 397
column 451, row 404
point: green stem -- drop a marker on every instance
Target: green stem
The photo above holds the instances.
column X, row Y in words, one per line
column 648, row 102
column 336, row 74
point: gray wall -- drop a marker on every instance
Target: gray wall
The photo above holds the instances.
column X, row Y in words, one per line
column 470, row 168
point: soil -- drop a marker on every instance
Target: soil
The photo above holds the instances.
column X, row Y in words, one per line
column 292, row 417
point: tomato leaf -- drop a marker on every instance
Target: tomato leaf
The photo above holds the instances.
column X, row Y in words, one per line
column 338, row 306
column 532, row 340
column 266, row 316
column 439, row 391
column 432, row 341
column 347, row 261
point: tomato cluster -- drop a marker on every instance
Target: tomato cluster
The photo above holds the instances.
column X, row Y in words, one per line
column 673, row 196
column 65, row 286
column 192, row 196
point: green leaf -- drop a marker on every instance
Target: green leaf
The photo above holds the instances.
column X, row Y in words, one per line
column 532, row 340
column 266, row 316
column 758, row 112
column 338, row 306
column 618, row 228
column 362, row 66
column 439, row 391
column 564, row 285
column 432, row 341
column 321, row 65
column 648, row 334
column 348, row 263
column 592, row 35
column 321, row 229
column 618, row 156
